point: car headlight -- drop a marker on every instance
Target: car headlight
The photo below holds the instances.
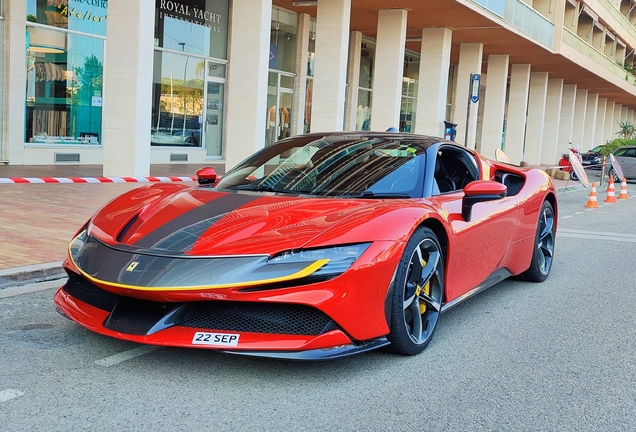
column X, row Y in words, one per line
column 340, row 258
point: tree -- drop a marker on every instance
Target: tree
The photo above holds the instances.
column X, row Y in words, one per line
column 89, row 80
column 626, row 129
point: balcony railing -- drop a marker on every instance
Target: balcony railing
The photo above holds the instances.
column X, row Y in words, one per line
column 523, row 18
column 611, row 8
column 585, row 48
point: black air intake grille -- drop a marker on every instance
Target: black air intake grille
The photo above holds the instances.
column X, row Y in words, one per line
column 84, row 290
column 258, row 318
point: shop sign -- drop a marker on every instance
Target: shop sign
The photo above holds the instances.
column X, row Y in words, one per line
column 192, row 14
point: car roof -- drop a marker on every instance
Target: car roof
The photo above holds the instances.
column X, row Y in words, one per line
column 424, row 140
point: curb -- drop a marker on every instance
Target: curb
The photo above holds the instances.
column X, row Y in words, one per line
column 31, row 274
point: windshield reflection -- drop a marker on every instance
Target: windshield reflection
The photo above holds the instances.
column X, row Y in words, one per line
column 365, row 167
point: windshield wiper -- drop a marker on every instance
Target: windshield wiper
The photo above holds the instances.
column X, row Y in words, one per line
column 269, row 188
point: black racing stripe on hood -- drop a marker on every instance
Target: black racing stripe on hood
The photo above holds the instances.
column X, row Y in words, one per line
column 180, row 233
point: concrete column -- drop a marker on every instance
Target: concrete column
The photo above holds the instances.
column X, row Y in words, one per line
column 536, row 117
column 300, row 85
column 388, row 70
column 590, row 122
column 580, row 108
column 14, row 82
column 247, row 79
column 332, row 42
column 624, row 111
column 494, row 105
column 608, row 128
column 128, row 88
column 470, row 56
column 630, row 115
column 567, row 118
column 617, row 118
column 552, row 123
column 517, row 109
column 353, row 80
column 433, row 83
column 600, row 123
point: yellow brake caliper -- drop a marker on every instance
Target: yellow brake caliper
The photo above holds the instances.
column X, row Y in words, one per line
column 427, row 290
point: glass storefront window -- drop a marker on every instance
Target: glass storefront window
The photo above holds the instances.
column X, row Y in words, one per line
column 363, row 115
column 311, row 51
column 308, row 101
column 64, row 87
column 216, row 70
column 177, row 95
column 282, row 48
column 198, row 27
column 78, row 15
column 279, row 107
column 410, row 84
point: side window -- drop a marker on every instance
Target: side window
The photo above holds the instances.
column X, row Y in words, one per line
column 454, row 169
column 631, row 153
column 620, row 152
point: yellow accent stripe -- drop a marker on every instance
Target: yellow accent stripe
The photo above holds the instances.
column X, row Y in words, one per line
column 310, row 269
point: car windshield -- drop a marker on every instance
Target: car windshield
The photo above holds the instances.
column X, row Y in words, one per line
column 352, row 166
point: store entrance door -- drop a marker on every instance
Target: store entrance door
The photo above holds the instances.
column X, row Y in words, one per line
column 280, row 97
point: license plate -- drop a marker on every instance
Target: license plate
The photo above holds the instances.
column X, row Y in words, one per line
column 216, row 339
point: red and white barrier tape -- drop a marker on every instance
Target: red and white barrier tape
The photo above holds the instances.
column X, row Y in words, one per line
column 41, row 180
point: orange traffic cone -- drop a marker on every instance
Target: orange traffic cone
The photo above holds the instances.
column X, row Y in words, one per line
column 611, row 192
column 623, row 194
column 592, row 201
column 610, row 182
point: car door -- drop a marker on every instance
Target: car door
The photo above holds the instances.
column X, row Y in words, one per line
column 627, row 162
column 477, row 247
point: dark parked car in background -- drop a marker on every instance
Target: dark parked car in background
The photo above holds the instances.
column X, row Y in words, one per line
column 592, row 159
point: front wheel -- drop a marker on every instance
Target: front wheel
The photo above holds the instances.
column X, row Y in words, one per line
column 544, row 246
column 417, row 294
column 573, row 175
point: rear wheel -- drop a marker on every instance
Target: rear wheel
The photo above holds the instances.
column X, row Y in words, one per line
column 417, row 295
column 544, row 246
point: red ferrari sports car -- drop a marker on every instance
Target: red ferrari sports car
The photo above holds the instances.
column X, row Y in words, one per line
column 319, row 246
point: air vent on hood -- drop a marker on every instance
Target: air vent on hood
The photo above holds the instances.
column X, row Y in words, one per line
column 67, row 157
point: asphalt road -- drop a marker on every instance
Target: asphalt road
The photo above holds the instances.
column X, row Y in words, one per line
column 521, row 356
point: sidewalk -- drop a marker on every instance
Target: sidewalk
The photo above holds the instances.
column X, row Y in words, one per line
column 37, row 221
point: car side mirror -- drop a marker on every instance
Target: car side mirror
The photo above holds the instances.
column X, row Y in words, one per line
column 206, row 176
column 481, row 191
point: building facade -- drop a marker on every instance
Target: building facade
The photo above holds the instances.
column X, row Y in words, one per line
column 129, row 84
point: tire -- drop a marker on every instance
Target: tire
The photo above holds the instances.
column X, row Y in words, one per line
column 543, row 254
column 573, row 176
column 417, row 295
column 616, row 177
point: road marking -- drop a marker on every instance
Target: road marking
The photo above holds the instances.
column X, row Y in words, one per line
column 41, row 286
column 126, row 355
column 596, row 235
column 9, row 394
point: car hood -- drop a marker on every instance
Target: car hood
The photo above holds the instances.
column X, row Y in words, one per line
column 204, row 222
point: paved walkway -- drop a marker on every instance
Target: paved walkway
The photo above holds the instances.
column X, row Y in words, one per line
column 37, row 221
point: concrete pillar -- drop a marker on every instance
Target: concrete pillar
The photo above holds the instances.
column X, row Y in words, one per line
column 630, row 115
column 494, row 105
column 600, row 123
column 470, row 56
column 247, row 79
column 300, row 85
column 332, row 43
column 617, row 118
column 353, row 80
column 14, row 82
column 580, row 108
column 589, row 132
column 128, row 88
column 536, row 117
column 388, row 69
column 552, row 123
column 608, row 128
column 624, row 111
column 517, row 109
column 567, row 118
column 433, row 83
